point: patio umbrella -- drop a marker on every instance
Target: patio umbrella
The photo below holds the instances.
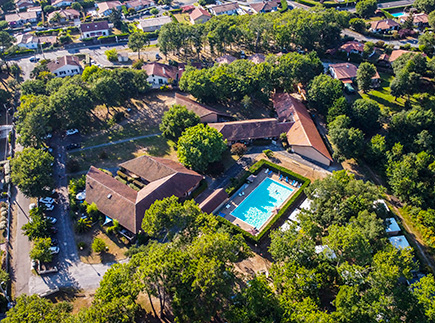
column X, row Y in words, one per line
column 81, row 196
column 107, row 221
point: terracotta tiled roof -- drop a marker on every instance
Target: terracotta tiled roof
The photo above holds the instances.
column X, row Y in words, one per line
column 65, row 13
column 162, row 70
column 187, row 8
column 154, row 168
column 257, row 58
column 21, row 16
column 155, row 22
column 226, row 59
column 251, row 129
column 384, row 24
column 112, row 197
column 225, row 7
column 199, row 109
column 199, row 12
column 421, row 18
column 118, row 201
column 264, row 5
column 352, row 45
column 303, row 132
column 344, row 71
column 94, row 26
column 139, row 3
column 213, row 200
column 62, row 61
column 108, row 5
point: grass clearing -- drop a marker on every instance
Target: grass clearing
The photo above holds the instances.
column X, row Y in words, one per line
column 115, row 251
column 182, row 18
column 111, row 156
column 383, row 97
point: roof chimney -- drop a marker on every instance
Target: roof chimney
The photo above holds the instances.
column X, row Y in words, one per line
column 347, row 65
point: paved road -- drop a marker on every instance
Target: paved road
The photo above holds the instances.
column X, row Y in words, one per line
column 115, row 142
column 95, row 51
column 413, row 42
column 20, row 245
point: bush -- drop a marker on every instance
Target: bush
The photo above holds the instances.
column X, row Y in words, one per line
column 103, row 155
column 81, row 245
column 98, row 245
column 238, row 149
column 268, row 153
column 112, row 55
column 137, row 64
column 154, row 11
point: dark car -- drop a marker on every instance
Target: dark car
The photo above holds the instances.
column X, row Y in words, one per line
column 54, row 242
column 73, row 146
column 53, row 229
column 34, row 59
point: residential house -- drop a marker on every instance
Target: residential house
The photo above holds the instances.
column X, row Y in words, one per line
column 21, row 18
column 38, row 10
column 28, row 41
column 65, row 66
column 106, row 8
column 352, row 47
column 139, row 4
column 226, row 59
column 229, row 8
column 257, row 58
column 214, row 201
column 264, row 6
column 61, row 3
column 161, row 178
column 64, row 14
column 159, row 74
column 152, row 24
column 303, row 136
column 346, row 72
column 421, row 20
column 205, row 113
column 199, row 16
column 94, row 29
column 383, row 26
column 388, row 60
column 24, row 4
column 188, row 8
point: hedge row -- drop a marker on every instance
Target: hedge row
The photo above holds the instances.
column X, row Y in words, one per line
column 51, row 31
column 175, row 10
column 253, row 170
column 387, row 14
column 284, row 6
column 201, row 188
column 113, row 36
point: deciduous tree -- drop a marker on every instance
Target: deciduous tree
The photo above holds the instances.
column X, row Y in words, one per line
column 176, row 120
column 364, row 75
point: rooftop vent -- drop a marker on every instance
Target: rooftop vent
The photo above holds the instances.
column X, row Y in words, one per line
column 109, row 196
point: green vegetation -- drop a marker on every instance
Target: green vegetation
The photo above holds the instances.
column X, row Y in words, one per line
column 41, row 250
column 366, row 8
column 199, row 146
column 98, row 245
column 176, row 120
column 137, row 41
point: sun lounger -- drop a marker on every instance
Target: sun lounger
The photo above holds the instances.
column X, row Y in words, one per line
column 294, row 183
column 228, row 206
column 286, row 179
column 270, row 173
column 280, row 177
column 266, row 171
column 222, row 214
column 243, row 193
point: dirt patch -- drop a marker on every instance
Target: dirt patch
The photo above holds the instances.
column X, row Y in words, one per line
column 116, row 247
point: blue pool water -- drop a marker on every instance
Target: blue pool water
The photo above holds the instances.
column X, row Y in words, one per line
column 398, row 14
column 258, row 206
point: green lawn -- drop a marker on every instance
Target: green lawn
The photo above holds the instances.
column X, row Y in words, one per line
column 182, row 18
column 382, row 95
column 113, row 155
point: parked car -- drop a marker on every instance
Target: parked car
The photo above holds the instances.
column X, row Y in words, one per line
column 51, row 219
column 54, row 250
column 54, row 242
column 34, row 59
column 53, row 230
column 73, row 146
column 46, row 200
column 71, row 132
column 49, row 207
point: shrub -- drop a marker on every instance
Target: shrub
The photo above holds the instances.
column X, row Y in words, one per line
column 98, row 245
column 103, row 155
column 268, row 153
column 83, row 225
column 72, row 166
column 238, row 149
column 112, row 55
column 154, row 11
column 137, row 64
column 81, row 245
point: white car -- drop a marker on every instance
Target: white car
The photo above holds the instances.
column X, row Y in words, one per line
column 71, row 132
column 54, row 250
column 51, row 219
column 46, row 200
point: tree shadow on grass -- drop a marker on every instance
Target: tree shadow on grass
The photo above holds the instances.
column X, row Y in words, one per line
column 392, row 105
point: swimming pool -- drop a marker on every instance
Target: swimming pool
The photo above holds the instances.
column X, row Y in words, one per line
column 257, row 207
column 398, row 14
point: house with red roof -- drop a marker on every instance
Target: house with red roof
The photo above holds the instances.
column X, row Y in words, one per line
column 352, row 47
column 383, row 26
column 199, row 16
column 160, row 74
column 65, row 66
column 264, row 6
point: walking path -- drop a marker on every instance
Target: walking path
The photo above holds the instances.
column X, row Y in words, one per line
column 115, row 142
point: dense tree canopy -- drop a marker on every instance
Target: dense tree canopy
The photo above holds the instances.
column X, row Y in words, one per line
column 348, row 141
column 366, row 8
column 176, row 120
column 364, row 76
column 31, row 172
column 365, row 115
column 199, row 146
column 322, row 93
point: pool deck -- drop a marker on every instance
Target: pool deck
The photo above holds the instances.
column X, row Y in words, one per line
column 238, row 198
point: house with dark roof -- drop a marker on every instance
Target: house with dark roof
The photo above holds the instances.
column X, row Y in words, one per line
column 160, row 177
column 229, row 8
column 214, row 200
column 264, row 6
column 199, row 16
column 65, row 66
column 205, row 113
column 95, row 29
